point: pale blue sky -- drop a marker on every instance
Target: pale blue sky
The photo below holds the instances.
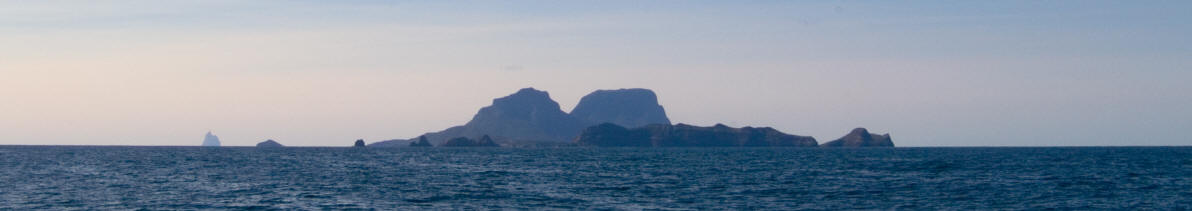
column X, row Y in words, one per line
column 318, row 73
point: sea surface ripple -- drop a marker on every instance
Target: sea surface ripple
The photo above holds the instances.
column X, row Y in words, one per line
column 1081, row 178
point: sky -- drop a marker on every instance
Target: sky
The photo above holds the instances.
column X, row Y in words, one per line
column 325, row 73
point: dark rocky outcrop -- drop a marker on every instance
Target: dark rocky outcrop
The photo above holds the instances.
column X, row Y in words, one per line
column 210, row 140
column 359, row 143
column 485, row 141
column 629, row 108
column 422, row 142
column 269, row 144
column 861, row 137
column 681, row 135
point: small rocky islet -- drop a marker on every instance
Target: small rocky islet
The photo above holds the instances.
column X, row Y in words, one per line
column 269, row 144
column 210, row 140
column 861, row 137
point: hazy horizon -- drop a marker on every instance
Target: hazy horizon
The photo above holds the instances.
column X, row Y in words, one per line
column 311, row 73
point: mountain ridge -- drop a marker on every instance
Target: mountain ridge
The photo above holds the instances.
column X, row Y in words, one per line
column 531, row 116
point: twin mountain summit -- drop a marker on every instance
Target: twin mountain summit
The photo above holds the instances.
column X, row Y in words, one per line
column 604, row 118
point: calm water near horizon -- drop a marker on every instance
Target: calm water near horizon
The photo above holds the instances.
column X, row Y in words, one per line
column 89, row 177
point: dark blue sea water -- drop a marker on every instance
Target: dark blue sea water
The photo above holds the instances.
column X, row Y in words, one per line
column 41, row 177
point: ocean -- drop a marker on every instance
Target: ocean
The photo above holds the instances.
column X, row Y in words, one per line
column 1080, row 178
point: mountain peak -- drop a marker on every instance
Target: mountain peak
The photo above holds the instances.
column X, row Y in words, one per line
column 527, row 97
column 630, row 108
column 529, row 90
column 529, row 114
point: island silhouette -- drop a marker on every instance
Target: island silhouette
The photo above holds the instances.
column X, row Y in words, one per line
column 608, row 118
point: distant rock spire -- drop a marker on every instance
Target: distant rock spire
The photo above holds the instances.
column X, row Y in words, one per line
column 210, row 140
